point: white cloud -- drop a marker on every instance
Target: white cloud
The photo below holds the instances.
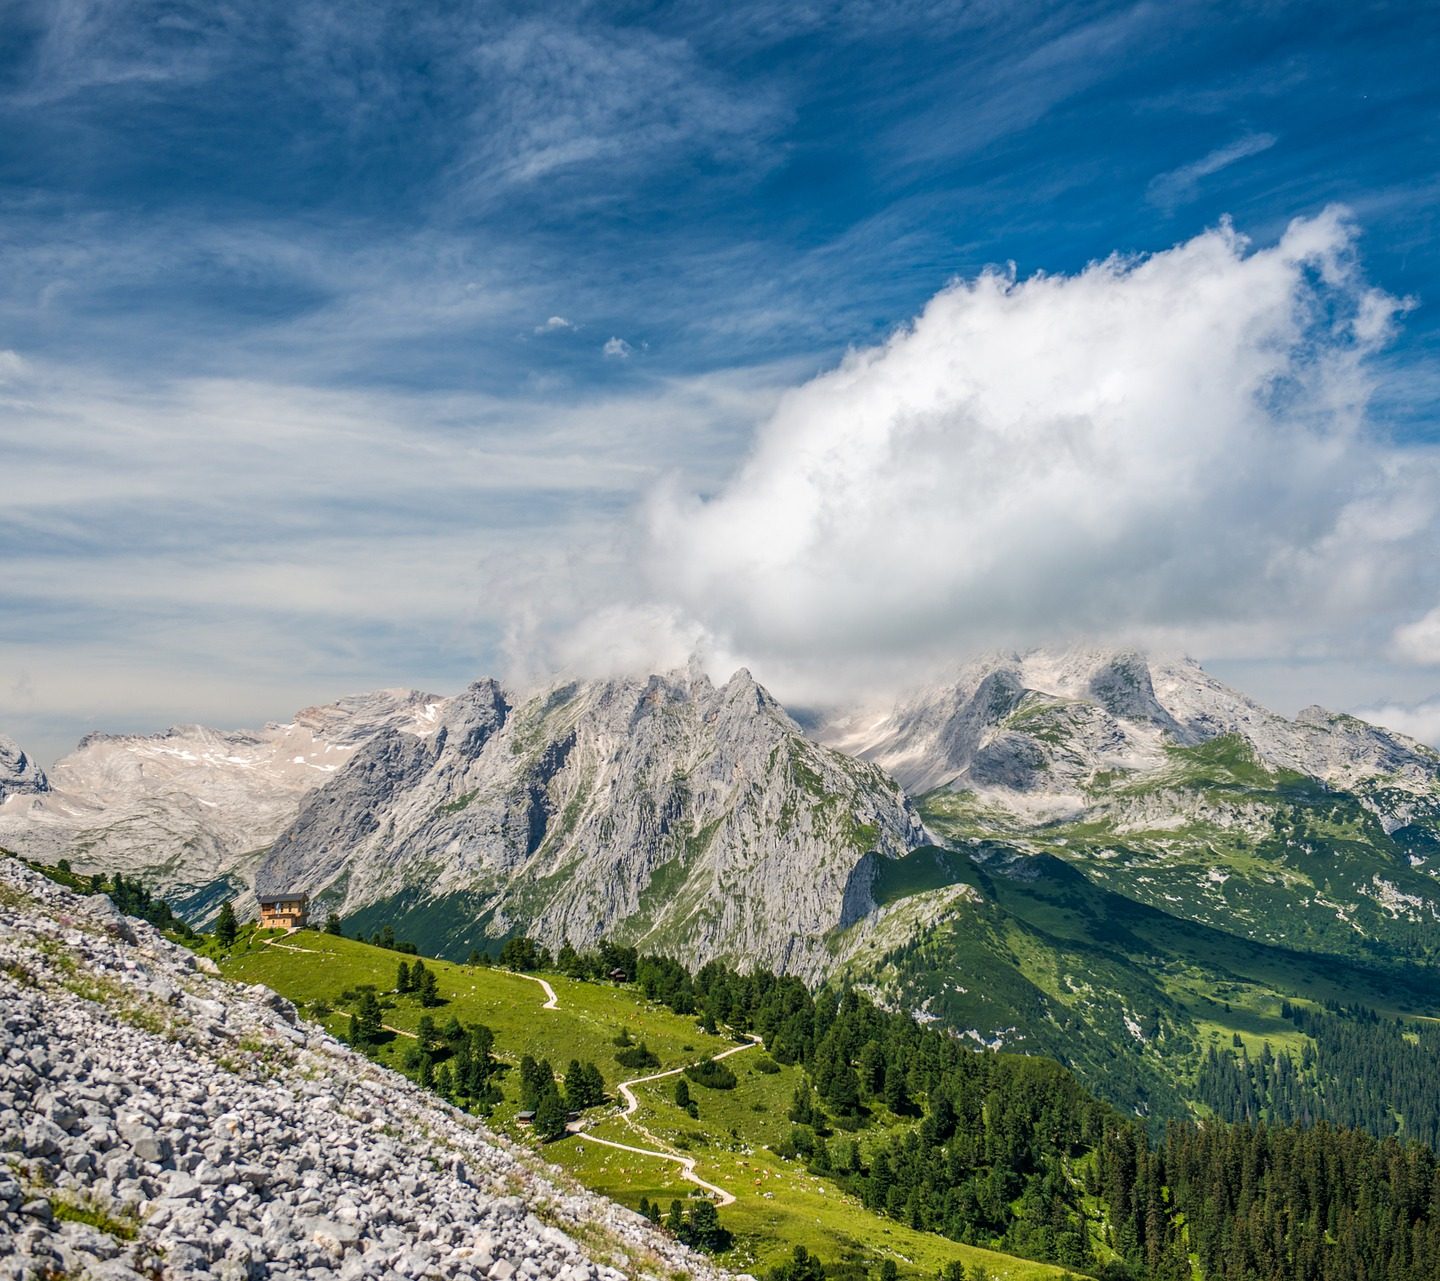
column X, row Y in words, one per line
column 1183, row 184
column 1421, row 720
column 554, row 323
column 617, row 349
column 568, row 97
column 1418, row 641
column 1174, row 444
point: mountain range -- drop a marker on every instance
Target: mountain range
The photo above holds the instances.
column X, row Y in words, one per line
column 1103, row 856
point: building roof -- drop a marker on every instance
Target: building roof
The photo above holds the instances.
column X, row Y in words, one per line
column 292, row 896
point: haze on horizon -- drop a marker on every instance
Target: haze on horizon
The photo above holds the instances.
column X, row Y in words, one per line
column 375, row 348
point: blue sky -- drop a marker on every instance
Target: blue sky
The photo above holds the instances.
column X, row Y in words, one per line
column 332, row 332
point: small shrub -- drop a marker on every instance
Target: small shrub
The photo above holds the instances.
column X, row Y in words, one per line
column 712, row 1075
column 638, row 1056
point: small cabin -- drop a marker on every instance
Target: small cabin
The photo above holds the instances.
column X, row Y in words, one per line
column 618, row 975
column 284, row 911
column 526, row 1117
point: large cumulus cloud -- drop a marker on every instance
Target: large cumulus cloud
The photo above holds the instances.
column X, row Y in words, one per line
column 1173, row 444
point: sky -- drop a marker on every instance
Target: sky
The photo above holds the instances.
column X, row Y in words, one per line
column 360, row 345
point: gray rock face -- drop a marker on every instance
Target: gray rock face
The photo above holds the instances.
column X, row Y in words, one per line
column 191, row 809
column 1034, row 731
column 19, row 775
column 689, row 817
column 248, row 1146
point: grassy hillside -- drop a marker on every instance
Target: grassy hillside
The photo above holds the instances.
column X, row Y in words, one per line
column 778, row 1204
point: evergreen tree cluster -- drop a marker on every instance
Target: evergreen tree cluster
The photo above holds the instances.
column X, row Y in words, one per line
column 1273, row 1202
column 385, row 937
column 416, row 979
column 540, row 1093
column 524, row 955
column 712, row 1075
column 698, row 1227
column 584, row 1086
column 134, row 899
column 1357, row 1070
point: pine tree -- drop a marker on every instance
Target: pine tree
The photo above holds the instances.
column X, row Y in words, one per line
column 550, row 1116
column 403, row 981
column 226, row 927
column 333, row 925
column 704, row 1231
column 675, row 1220
column 368, row 1026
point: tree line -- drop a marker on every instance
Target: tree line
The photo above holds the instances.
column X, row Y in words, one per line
column 1011, row 1153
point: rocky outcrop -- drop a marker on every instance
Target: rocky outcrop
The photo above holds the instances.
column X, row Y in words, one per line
column 190, row 810
column 19, row 774
column 690, row 818
column 155, row 1121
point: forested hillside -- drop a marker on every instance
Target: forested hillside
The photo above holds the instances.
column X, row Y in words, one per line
column 1010, row 1151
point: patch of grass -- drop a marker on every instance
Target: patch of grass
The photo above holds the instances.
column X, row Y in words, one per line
column 121, row 1227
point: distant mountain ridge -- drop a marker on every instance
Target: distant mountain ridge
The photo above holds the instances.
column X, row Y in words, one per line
column 19, row 774
column 1033, row 730
column 192, row 809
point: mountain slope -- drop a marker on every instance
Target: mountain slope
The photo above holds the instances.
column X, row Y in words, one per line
column 190, row 810
column 1048, row 724
column 666, row 811
column 1165, row 785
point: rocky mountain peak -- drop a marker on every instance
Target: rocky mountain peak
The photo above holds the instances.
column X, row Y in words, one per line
column 660, row 806
column 469, row 719
column 19, row 774
column 1044, row 722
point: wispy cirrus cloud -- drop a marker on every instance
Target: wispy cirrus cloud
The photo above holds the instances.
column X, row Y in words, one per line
column 1178, row 186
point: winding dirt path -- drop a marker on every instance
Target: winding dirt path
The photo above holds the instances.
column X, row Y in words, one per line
column 631, row 1102
column 686, row 1164
column 627, row 1112
column 552, row 1002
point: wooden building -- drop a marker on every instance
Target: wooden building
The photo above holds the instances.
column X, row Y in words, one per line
column 284, row 911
